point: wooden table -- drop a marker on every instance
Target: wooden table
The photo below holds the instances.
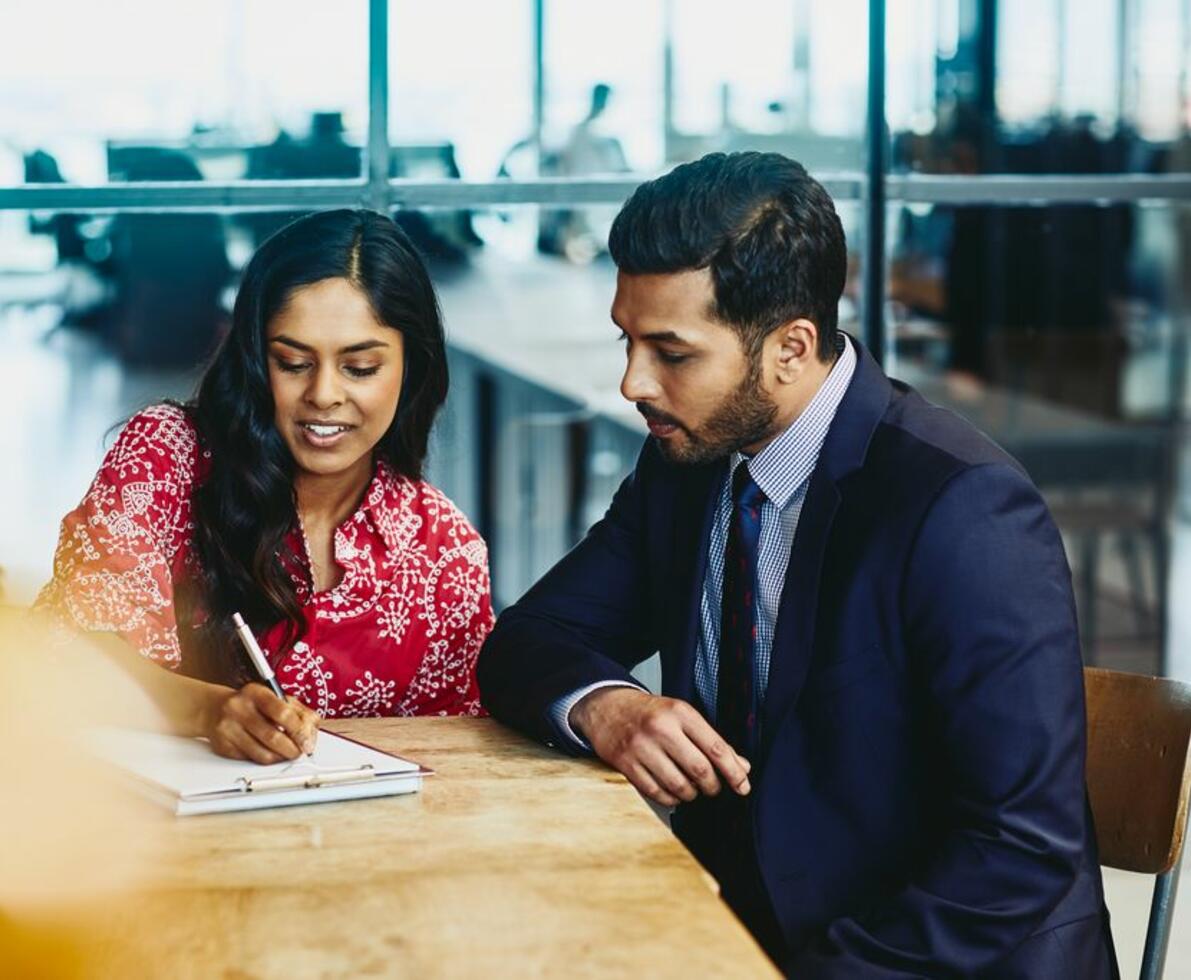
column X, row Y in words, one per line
column 512, row 861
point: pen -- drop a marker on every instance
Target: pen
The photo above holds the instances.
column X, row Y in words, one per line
column 256, row 655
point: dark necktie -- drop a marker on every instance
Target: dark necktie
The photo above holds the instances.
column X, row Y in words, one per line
column 736, row 698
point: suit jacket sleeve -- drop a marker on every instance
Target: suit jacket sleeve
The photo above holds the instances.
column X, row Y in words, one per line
column 994, row 659
column 587, row 620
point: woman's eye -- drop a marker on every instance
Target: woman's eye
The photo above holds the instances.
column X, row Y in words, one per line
column 291, row 367
column 361, row 372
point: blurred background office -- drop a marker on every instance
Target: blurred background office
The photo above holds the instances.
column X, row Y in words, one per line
column 1051, row 309
column 1014, row 177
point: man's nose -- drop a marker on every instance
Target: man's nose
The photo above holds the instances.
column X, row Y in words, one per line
column 638, row 383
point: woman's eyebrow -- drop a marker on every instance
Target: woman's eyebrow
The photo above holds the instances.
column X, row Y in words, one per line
column 349, row 349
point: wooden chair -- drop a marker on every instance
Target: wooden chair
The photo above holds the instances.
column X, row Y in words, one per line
column 1139, row 781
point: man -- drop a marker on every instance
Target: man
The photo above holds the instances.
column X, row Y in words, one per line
column 872, row 723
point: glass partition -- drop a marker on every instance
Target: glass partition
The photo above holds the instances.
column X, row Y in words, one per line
column 1062, row 332
column 223, row 90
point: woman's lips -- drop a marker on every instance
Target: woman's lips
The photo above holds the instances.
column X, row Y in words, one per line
column 323, row 436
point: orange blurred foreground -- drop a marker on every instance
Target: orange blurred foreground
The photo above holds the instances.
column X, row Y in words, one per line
column 72, row 841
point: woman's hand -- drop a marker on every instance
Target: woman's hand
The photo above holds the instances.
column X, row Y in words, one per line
column 253, row 723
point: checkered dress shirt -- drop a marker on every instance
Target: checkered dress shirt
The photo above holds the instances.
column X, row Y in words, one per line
column 782, row 470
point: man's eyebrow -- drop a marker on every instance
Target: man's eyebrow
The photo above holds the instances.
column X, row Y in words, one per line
column 666, row 336
column 661, row 336
column 350, row 349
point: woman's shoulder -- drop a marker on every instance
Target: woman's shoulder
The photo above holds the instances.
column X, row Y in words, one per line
column 434, row 514
column 160, row 438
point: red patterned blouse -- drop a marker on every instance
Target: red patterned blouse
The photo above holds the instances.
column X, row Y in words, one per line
column 399, row 634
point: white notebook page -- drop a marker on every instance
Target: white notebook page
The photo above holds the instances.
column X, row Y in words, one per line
column 188, row 767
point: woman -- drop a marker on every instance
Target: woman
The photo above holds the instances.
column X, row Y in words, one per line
column 289, row 490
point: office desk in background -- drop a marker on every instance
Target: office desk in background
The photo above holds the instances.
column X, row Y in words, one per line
column 512, row 861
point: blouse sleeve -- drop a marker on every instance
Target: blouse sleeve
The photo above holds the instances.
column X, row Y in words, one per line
column 468, row 630
column 112, row 567
column 459, row 616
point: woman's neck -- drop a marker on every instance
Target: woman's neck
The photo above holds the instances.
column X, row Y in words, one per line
column 329, row 500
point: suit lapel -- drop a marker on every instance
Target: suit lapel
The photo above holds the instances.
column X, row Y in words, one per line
column 844, row 450
column 695, row 510
column 794, row 632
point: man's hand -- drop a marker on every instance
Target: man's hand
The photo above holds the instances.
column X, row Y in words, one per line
column 663, row 746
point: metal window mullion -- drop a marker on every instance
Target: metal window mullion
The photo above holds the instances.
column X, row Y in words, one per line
column 1033, row 189
column 162, row 196
column 265, row 195
column 539, row 80
column 280, row 195
column 873, row 270
column 377, row 152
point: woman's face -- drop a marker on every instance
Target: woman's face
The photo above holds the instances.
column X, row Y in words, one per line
column 335, row 372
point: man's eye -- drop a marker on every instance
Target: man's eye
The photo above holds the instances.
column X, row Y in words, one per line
column 361, row 372
column 669, row 358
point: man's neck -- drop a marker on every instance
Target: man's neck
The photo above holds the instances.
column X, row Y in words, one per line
column 797, row 398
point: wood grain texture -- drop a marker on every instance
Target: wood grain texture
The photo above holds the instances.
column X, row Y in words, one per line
column 512, row 861
column 1139, row 767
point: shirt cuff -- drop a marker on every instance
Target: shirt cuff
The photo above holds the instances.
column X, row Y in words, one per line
column 560, row 710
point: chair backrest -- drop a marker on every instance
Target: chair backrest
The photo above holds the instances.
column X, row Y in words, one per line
column 1139, row 767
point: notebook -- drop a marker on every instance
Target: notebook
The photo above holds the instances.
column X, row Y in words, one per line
column 184, row 775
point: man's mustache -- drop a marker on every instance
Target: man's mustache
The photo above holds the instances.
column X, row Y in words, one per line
column 654, row 415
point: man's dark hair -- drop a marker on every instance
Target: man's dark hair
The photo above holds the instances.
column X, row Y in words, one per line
column 766, row 230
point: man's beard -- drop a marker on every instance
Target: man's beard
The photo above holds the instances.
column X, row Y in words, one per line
column 743, row 418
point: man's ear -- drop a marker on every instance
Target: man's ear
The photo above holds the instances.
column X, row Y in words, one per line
column 795, row 348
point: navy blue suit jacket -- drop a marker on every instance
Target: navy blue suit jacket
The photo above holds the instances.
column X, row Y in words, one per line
column 918, row 804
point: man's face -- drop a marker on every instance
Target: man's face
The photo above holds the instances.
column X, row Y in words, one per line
column 688, row 373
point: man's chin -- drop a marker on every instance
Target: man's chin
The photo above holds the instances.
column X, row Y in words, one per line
column 683, row 451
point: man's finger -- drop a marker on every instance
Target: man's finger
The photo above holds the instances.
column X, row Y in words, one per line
column 666, row 772
column 647, row 786
column 734, row 767
column 697, row 767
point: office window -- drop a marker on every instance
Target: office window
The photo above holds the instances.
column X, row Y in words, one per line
column 222, row 90
column 787, row 77
column 460, row 86
column 619, row 45
column 1039, row 86
column 1061, row 332
column 981, row 288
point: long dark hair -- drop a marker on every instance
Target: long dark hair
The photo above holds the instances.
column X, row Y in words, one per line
column 246, row 507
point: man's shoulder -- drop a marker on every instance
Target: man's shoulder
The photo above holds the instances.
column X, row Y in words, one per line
column 920, row 444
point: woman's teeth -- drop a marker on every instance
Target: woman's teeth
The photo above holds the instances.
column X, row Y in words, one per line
column 324, row 430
